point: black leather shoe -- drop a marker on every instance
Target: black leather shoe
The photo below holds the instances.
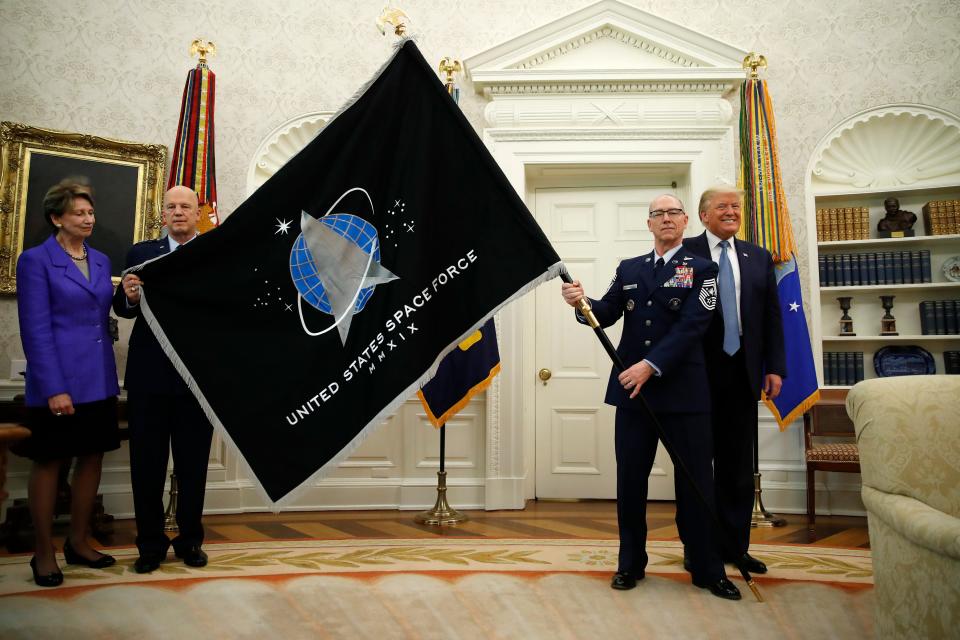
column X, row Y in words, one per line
column 147, row 562
column 72, row 557
column 193, row 556
column 54, row 579
column 623, row 581
column 722, row 588
column 752, row 564
column 687, row 565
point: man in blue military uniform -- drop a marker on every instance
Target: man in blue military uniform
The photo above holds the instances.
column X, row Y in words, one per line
column 667, row 299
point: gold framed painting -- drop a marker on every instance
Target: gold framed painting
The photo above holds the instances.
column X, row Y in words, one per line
column 127, row 178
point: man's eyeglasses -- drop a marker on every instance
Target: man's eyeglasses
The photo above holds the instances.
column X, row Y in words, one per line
column 659, row 213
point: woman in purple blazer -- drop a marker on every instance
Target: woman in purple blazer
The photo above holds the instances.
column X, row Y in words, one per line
column 64, row 293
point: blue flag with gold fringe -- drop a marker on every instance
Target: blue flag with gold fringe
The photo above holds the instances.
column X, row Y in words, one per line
column 465, row 372
column 767, row 223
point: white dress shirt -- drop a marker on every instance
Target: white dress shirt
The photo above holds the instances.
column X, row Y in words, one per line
column 715, row 250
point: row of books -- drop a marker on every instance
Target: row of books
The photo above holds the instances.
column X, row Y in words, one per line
column 941, row 217
column 848, row 223
column 940, row 317
column 880, row 267
column 842, row 367
column 951, row 362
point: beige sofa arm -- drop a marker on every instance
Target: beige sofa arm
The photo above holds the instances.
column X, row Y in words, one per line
column 915, row 521
column 908, row 433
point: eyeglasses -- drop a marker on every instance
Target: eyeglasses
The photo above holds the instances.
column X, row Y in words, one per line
column 673, row 213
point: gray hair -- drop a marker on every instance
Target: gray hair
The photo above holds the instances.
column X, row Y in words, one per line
column 717, row 190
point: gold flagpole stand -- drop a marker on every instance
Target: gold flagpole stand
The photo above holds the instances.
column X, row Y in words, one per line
column 442, row 513
column 170, row 517
column 760, row 516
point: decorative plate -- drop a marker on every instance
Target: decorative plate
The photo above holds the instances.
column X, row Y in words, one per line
column 951, row 268
column 903, row 361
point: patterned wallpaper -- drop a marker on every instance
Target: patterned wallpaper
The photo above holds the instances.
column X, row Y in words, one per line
column 116, row 68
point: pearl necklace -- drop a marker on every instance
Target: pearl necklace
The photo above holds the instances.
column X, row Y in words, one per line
column 77, row 259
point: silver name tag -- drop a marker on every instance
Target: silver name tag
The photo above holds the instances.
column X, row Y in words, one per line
column 627, row 287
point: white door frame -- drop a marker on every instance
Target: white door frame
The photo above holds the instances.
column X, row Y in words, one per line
column 707, row 151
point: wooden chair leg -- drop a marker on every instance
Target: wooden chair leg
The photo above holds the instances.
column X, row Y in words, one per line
column 811, row 499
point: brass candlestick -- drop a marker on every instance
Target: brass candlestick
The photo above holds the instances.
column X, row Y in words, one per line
column 888, row 324
column 846, row 322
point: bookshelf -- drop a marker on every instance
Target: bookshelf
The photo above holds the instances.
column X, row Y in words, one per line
column 840, row 178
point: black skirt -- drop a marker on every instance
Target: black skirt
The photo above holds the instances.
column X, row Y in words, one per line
column 91, row 429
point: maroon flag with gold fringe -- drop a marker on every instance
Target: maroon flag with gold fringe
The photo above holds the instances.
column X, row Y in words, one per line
column 193, row 163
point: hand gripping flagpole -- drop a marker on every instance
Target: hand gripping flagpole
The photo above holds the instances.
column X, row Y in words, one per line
column 587, row 312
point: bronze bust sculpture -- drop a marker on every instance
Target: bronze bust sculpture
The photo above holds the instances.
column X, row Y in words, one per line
column 896, row 219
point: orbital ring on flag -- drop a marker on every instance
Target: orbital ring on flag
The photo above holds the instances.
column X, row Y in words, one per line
column 349, row 309
column 337, row 259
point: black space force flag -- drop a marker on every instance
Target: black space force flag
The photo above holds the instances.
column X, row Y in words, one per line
column 333, row 292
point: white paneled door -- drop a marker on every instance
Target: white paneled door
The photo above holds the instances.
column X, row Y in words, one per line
column 592, row 229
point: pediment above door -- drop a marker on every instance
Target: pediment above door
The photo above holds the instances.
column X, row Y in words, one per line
column 607, row 47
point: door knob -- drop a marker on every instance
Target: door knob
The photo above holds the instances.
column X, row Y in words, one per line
column 544, row 375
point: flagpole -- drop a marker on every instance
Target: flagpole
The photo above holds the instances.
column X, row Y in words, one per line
column 587, row 312
column 442, row 513
column 759, row 517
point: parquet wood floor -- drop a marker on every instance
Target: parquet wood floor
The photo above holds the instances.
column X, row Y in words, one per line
column 540, row 519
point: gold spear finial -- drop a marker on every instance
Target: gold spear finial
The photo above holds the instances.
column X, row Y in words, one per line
column 754, row 61
column 395, row 18
column 202, row 48
column 449, row 67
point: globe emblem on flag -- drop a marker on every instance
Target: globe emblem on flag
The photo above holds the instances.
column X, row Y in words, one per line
column 303, row 269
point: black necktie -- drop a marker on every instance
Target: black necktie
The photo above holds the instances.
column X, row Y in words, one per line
column 656, row 267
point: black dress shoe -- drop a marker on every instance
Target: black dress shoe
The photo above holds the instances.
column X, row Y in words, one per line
column 751, row 564
column 72, row 557
column 193, row 556
column 148, row 562
column 623, row 581
column 54, row 579
column 722, row 588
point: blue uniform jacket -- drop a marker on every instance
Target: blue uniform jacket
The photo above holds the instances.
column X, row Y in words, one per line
column 148, row 367
column 64, row 325
column 664, row 322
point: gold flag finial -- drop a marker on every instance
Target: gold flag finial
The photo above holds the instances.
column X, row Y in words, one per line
column 754, row 61
column 449, row 66
column 395, row 18
column 202, row 48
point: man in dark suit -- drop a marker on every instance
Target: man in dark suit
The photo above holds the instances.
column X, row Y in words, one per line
column 162, row 411
column 745, row 353
column 666, row 298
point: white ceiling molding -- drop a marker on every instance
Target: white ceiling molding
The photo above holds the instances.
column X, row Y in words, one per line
column 890, row 146
column 607, row 47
